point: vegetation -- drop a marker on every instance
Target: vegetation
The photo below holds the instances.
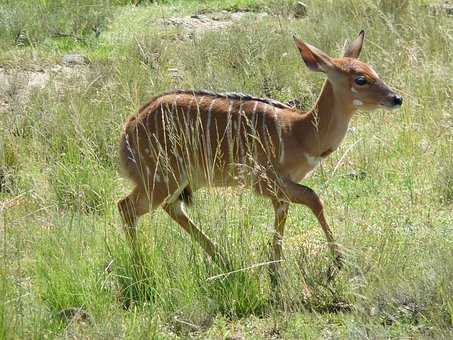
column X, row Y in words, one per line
column 66, row 270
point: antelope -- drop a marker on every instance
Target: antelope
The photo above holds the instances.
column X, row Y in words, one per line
column 183, row 140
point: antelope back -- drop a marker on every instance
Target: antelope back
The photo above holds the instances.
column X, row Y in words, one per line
column 203, row 137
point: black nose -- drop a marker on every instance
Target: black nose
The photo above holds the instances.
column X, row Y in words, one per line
column 397, row 100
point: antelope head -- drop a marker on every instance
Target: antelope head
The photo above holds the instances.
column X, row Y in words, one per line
column 356, row 83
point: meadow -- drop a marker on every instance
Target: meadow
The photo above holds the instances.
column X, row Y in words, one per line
column 66, row 270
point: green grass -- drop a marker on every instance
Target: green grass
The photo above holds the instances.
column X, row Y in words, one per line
column 61, row 240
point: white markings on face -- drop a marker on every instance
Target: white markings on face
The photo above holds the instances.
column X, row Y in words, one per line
column 357, row 103
column 313, row 161
column 373, row 73
column 354, row 91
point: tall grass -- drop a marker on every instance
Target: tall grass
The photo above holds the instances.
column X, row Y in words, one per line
column 387, row 189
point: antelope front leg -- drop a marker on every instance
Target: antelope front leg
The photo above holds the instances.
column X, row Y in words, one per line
column 302, row 194
column 281, row 212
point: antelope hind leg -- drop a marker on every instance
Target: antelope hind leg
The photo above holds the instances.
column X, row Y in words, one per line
column 281, row 212
column 176, row 210
column 131, row 208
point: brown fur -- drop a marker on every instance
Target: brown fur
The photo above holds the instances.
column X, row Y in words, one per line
column 184, row 140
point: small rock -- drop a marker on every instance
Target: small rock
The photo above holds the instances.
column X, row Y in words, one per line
column 74, row 59
column 4, row 82
column 4, row 107
column 38, row 80
column 424, row 145
column 300, row 10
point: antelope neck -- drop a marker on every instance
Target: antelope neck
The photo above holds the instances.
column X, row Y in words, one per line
column 329, row 118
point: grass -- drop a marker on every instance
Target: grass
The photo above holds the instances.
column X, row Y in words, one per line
column 388, row 189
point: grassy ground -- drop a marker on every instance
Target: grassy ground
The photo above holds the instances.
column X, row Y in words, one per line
column 388, row 189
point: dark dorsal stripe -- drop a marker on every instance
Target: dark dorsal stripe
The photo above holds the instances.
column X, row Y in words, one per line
column 231, row 95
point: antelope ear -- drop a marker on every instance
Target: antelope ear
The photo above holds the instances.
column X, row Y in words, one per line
column 353, row 49
column 315, row 59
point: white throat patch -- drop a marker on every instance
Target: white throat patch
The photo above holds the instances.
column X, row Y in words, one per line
column 357, row 103
column 313, row 161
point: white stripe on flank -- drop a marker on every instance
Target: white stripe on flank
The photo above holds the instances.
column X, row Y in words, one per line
column 198, row 102
column 230, row 131
column 175, row 102
column 280, row 137
column 208, row 124
column 251, row 142
column 239, row 139
column 265, row 136
column 180, row 160
column 240, row 107
column 208, row 132
column 264, row 121
column 230, row 108
column 255, row 107
column 190, row 105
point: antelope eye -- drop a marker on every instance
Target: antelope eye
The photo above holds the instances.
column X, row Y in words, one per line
column 360, row 80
